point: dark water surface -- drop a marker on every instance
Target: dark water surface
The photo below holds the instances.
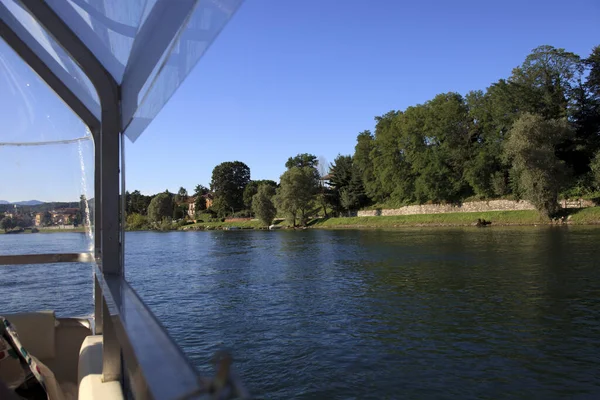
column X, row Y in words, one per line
column 423, row 313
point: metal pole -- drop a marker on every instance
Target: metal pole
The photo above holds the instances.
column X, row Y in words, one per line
column 123, row 204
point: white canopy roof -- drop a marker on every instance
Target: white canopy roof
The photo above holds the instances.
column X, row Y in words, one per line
column 147, row 46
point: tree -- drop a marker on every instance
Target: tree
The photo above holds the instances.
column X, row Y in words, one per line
column 46, row 219
column 201, row 190
column 221, row 207
column 136, row 221
column 545, row 80
column 160, row 207
column 302, row 160
column 252, row 188
column 7, row 224
column 341, row 175
column 537, row 172
column 181, row 196
column 200, row 203
column 365, row 146
column 229, row 179
column 22, row 221
column 262, row 205
column 595, row 167
column 137, row 203
column 295, row 194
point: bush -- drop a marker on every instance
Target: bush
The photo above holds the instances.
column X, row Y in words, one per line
column 136, row 222
column 243, row 214
column 165, row 225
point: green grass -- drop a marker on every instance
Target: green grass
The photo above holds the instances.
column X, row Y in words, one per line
column 220, row 225
column 585, row 216
column 449, row 219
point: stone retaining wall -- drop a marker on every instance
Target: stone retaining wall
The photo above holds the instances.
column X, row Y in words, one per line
column 472, row 206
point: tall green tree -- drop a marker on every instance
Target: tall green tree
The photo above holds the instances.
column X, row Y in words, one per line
column 252, row 188
column 7, row 223
column 46, row 219
column 365, row 145
column 341, row 176
column 200, row 192
column 229, row 179
column 545, row 80
column 160, row 207
column 537, row 171
column 181, row 196
column 302, row 160
column 262, row 204
column 295, row 193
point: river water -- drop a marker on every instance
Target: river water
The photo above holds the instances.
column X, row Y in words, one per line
column 416, row 313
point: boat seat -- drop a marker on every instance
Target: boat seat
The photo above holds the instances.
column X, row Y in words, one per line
column 91, row 386
column 37, row 332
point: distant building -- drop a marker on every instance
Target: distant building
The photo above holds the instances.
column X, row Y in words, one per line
column 63, row 216
column 38, row 219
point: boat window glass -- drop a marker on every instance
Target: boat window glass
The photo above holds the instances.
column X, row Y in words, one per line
column 47, row 152
column 16, row 16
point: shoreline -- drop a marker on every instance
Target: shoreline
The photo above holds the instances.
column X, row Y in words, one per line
column 571, row 217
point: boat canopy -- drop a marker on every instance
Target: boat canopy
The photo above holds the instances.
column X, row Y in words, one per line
column 147, row 47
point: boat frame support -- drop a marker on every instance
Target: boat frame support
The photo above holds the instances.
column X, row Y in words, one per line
column 137, row 350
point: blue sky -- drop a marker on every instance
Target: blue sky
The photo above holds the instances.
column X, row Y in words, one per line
column 289, row 77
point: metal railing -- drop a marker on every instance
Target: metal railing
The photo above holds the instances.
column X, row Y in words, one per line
column 137, row 349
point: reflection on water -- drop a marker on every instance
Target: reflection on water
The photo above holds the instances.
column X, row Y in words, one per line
column 418, row 313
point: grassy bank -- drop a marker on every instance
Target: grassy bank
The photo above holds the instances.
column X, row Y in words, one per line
column 221, row 225
column 586, row 216
column 45, row 230
column 449, row 219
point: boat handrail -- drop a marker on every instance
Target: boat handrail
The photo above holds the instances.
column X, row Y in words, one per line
column 53, row 258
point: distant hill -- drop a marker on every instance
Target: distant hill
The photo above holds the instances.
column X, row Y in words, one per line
column 23, row 203
column 28, row 203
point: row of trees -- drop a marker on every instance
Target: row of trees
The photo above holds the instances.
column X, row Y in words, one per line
column 534, row 136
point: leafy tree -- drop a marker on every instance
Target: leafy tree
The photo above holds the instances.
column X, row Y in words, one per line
column 229, row 179
column 538, row 173
column 295, row 193
column 181, row 196
column 136, row 222
column 7, row 224
column 595, row 167
column 302, row 160
column 137, row 203
column 200, row 203
column 341, row 175
column 179, row 211
column 545, row 80
column 365, row 146
column 262, row 205
column 23, row 221
column 160, row 207
column 46, row 219
column 221, row 207
column 252, row 188
column 201, row 190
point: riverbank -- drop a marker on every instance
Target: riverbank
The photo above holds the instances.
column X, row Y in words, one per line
column 584, row 216
column 43, row 230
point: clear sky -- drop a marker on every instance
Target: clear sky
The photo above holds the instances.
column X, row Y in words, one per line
column 288, row 77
